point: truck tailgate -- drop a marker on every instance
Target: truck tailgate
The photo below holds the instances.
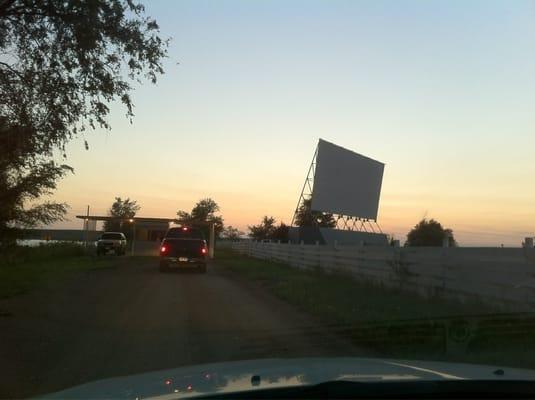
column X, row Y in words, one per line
column 191, row 248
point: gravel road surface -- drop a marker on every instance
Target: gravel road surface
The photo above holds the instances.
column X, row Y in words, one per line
column 132, row 319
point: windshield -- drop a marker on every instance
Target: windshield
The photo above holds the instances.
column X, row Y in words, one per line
column 216, row 196
column 111, row 236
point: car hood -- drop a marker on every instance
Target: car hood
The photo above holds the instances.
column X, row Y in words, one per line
column 230, row 377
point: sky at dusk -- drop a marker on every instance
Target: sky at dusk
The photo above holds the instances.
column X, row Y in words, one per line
column 442, row 92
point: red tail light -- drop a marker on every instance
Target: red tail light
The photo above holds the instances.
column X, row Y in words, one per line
column 203, row 250
column 163, row 249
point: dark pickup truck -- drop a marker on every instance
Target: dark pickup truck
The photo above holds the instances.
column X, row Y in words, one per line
column 183, row 248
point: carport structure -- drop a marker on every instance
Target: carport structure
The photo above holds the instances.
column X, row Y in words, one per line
column 149, row 228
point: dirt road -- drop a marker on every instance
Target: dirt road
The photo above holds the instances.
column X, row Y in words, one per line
column 133, row 319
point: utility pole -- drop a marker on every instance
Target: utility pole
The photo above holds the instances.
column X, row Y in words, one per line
column 133, row 221
column 211, row 244
column 87, row 229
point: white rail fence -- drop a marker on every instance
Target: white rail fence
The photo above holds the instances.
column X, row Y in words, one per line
column 504, row 277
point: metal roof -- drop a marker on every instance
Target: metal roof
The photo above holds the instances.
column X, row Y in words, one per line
column 141, row 219
column 136, row 219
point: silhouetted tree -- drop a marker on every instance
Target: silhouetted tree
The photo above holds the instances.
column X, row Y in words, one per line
column 17, row 188
column 429, row 233
column 264, row 230
column 203, row 211
column 231, row 233
column 63, row 63
column 123, row 210
column 268, row 230
column 280, row 233
column 306, row 217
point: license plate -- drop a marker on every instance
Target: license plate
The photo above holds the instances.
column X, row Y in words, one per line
column 182, row 259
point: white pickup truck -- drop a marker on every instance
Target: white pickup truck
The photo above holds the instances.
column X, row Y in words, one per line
column 111, row 242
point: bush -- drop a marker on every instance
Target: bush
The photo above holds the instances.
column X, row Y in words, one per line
column 429, row 233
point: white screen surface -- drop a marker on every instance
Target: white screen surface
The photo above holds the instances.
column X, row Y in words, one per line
column 346, row 182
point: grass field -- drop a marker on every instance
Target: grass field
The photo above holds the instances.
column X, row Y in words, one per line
column 392, row 323
column 26, row 268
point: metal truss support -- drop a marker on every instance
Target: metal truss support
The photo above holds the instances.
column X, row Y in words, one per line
column 306, row 192
column 356, row 224
column 343, row 222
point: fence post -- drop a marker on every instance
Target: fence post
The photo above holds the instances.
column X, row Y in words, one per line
column 289, row 253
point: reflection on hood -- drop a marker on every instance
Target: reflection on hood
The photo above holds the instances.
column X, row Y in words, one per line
column 239, row 376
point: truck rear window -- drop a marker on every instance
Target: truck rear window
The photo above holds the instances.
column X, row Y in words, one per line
column 192, row 244
column 184, row 233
